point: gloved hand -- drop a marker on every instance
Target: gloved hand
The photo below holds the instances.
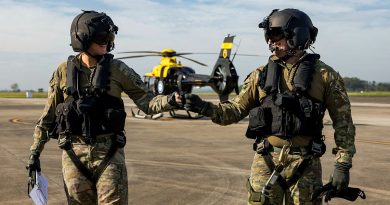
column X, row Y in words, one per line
column 33, row 166
column 174, row 99
column 195, row 104
column 340, row 177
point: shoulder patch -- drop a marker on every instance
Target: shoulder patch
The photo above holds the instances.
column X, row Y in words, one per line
column 131, row 74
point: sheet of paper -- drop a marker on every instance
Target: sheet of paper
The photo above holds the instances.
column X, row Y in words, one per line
column 39, row 193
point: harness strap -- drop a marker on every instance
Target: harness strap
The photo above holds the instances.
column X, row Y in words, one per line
column 76, row 161
column 298, row 173
column 106, row 161
column 92, row 176
column 72, row 76
column 285, row 184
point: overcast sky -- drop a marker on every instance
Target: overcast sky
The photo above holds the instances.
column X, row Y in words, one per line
column 353, row 34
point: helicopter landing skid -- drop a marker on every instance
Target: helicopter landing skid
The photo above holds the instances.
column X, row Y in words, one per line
column 140, row 115
column 181, row 116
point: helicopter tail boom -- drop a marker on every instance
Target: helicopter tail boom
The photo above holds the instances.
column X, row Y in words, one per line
column 224, row 78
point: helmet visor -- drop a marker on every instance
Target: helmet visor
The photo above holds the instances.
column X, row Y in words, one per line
column 103, row 38
column 274, row 34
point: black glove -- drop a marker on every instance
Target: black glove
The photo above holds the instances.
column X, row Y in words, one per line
column 172, row 101
column 340, row 177
column 195, row 104
column 33, row 166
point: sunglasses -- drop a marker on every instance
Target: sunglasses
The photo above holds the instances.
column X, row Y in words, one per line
column 103, row 38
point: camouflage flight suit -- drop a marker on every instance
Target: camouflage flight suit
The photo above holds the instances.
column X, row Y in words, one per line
column 111, row 188
column 327, row 86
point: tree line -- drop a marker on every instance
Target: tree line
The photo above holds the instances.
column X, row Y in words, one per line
column 356, row 84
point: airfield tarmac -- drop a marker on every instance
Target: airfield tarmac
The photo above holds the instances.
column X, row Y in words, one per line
column 175, row 161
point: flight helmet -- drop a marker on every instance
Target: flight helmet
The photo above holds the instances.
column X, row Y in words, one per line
column 295, row 25
column 92, row 26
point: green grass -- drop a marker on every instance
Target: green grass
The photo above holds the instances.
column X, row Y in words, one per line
column 370, row 94
column 22, row 95
column 44, row 94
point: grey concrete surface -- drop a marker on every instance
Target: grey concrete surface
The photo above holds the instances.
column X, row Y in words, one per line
column 175, row 162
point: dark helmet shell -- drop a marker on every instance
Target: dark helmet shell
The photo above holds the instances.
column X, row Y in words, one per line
column 296, row 26
column 86, row 26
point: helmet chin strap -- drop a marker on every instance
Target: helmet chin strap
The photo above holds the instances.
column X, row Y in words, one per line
column 291, row 52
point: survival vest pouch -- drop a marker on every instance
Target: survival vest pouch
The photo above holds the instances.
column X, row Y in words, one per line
column 286, row 115
column 68, row 118
column 289, row 113
column 103, row 114
column 114, row 120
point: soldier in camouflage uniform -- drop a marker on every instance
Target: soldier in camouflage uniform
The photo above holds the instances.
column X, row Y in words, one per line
column 86, row 147
column 293, row 86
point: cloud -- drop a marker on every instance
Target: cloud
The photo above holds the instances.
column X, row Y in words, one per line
column 35, row 36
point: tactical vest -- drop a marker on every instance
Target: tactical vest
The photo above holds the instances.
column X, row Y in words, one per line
column 91, row 111
column 289, row 113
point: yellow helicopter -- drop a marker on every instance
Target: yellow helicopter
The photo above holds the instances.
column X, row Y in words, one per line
column 171, row 76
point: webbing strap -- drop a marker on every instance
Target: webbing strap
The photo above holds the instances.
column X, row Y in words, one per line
column 298, row 173
column 285, row 184
column 106, row 161
column 72, row 76
column 92, row 176
column 76, row 161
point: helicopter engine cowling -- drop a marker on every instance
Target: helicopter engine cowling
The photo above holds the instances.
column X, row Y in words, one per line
column 224, row 78
column 173, row 82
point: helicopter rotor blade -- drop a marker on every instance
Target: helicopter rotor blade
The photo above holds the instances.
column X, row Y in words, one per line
column 193, row 53
column 223, row 82
column 202, row 64
column 137, row 56
column 220, row 75
column 238, row 54
column 251, row 55
column 157, row 52
column 181, row 54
